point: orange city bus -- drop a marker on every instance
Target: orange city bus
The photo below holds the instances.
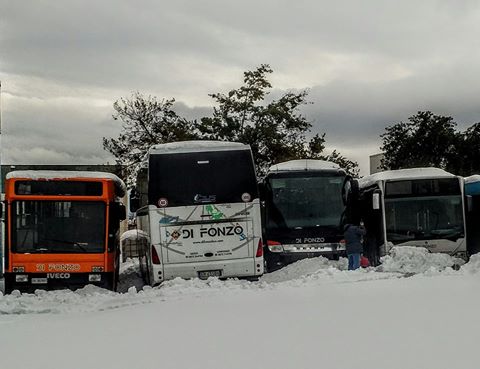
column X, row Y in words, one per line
column 62, row 229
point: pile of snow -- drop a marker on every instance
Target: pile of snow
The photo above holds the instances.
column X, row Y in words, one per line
column 473, row 265
column 304, row 268
column 416, row 260
column 133, row 235
column 319, row 271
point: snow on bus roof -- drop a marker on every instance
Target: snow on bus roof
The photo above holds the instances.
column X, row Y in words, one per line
column 196, row 145
column 303, row 164
column 412, row 173
column 472, row 179
column 68, row 174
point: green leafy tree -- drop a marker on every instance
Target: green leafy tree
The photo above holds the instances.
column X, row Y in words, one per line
column 275, row 130
column 146, row 121
column 424, row 140
column 465, row 160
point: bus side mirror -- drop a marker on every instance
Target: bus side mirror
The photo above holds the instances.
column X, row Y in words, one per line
column 376, row 200
column 469, row 203
column 350, row 190
column 134, row 202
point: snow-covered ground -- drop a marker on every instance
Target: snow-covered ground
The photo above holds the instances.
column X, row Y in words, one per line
column 415, row 313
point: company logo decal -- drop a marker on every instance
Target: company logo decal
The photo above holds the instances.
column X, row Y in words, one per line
column 214, row 212
column 209, row 232
column 63, row 267
column 58, row 275
column 168, row 219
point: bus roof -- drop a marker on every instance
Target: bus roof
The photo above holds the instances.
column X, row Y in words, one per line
column 303, row 164
column 195, row 146
column 412, row 173
column 472, row 185
column 472, row 179
column 68, row 175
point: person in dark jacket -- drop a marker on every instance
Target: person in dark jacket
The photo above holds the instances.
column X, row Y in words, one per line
column 353, row 239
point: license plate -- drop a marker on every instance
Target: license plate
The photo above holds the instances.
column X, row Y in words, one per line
column 209, row 273
column 39, row 280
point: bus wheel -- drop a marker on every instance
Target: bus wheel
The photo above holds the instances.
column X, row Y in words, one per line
column 9, row 287
column 111, row 282
column 116, row 279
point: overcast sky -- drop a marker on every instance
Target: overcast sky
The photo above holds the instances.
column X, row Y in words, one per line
column 367, row 64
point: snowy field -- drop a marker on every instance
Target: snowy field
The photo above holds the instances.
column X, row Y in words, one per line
column 413, row 312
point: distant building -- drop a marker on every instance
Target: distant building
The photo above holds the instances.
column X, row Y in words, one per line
column 376, row 162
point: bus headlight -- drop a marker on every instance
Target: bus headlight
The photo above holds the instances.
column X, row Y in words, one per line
column 18, row 269
column 94, row 277
column 21, row 278
column 97, row 269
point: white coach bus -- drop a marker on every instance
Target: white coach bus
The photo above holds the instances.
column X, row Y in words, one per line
column 422, row 207
column 199, row 207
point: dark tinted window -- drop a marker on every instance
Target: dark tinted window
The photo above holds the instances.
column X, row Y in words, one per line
column 303, row 201
column 201, row 177
column 58, row 226
column 423, row 187
column 72, row 188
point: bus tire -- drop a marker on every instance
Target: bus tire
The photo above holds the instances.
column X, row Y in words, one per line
column 111, row 283
column 9, row 288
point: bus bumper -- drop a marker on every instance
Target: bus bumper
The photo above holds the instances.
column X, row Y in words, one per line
column 277, row 260
column 239, row 268
column 29, row 282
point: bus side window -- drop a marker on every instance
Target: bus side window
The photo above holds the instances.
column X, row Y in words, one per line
column 376, row 200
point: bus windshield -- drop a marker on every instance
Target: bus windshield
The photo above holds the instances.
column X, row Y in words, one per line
column 185, row 179
column 423, row 209
column 304, row 202
column 58, row 226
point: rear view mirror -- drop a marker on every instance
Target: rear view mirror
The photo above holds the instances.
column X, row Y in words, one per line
column 376, row 200
column 350, row 190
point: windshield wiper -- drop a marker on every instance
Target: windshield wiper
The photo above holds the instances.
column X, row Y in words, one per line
column 446, row 233
column 80, row 245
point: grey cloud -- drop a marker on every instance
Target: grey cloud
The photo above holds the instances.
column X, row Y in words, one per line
column 367, row 64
